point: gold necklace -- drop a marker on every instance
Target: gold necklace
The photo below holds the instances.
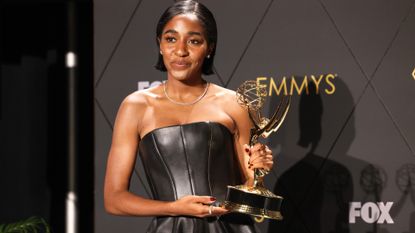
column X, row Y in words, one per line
column 182, row 103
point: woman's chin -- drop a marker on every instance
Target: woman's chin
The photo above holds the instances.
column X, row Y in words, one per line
column 180, row 74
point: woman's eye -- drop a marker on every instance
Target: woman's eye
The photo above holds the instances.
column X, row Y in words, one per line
column 170, row 39
column 196, row 42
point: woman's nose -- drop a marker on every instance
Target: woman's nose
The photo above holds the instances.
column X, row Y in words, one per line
column 181, row 49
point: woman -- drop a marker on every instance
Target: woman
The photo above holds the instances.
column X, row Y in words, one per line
column 192, row 135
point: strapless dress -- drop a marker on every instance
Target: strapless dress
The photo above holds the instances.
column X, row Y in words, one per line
column 193, row 159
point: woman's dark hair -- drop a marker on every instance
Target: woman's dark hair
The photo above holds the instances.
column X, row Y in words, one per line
column 205, row 17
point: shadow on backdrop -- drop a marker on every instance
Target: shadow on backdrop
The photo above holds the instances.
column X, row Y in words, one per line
column 405, row 182
column 317, row 190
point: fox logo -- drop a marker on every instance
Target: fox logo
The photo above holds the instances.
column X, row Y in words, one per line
column 371, row 212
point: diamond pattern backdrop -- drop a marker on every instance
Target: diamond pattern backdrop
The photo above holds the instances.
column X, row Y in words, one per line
column 367, row 131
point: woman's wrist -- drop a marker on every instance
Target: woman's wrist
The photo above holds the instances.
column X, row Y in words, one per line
column 171, row 209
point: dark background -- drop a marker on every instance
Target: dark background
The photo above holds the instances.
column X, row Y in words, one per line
column 356, row 144
column 34, row 111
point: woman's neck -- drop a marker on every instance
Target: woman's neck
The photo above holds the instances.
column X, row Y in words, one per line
column 185, row 88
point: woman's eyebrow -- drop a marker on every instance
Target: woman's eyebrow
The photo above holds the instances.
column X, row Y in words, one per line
column 189, row 33
column 195, row 33
column 170, row 31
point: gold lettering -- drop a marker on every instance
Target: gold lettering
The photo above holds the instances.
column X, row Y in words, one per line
column 273, row 86
column 294, row 84
column 333, row 88
column 317, row 82
column 259, row 80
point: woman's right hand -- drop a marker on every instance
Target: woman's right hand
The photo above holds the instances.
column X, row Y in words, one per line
column 198, row 206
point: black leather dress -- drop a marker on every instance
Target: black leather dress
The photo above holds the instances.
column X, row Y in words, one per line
column 192, row 159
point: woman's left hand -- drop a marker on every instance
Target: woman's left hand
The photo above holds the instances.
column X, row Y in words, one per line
column 260, row 156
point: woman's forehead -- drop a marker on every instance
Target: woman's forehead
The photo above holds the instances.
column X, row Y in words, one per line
column 184, row 23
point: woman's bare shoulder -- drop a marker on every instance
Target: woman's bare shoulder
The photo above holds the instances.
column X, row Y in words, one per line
column 142, row 98
column 228, row 98
column 224, row 93
column 135, row 105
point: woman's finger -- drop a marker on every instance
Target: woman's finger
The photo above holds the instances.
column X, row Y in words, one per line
column 262, row 161
column 257, row 146
column 207, row 200
column 260, row 156
column 264, row 164
column 210, row 210
column 217, row 211
column 247, row 148
column 260, row 147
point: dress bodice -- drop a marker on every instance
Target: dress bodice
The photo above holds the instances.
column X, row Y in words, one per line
column 192, row 159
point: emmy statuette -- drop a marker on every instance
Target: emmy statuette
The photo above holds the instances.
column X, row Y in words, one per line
column 257, row 200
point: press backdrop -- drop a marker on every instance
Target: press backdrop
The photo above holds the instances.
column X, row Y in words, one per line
column 345, row 155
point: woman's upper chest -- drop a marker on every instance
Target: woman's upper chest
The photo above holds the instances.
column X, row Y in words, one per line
column 166, row 114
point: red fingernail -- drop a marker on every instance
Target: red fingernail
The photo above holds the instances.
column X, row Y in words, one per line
column 246, row 149
column 249, row 154
column 213, row 199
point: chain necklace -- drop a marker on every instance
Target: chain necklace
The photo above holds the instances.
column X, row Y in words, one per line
column 182, row 103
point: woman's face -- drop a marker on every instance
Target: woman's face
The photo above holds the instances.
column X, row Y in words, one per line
column 184, row 47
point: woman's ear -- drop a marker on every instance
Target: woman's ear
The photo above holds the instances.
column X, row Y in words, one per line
column 211, row 48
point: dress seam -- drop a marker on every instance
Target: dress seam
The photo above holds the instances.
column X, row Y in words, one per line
column 222, row 226
column 189, row 170
column 209, row 160
column 149, row 176
column 165, row 166
column 175, row 228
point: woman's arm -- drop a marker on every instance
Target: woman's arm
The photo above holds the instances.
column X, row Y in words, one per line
column 257, row 156
column 117, row 198
column 121, row 159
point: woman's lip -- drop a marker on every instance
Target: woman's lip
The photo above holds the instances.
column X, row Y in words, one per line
column 180, row 64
